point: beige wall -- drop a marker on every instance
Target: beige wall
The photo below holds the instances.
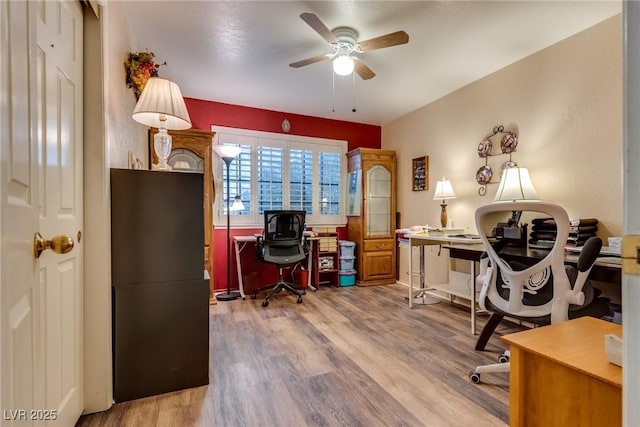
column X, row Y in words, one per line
column 565, row 102
column 109, row 135
column 123, row 133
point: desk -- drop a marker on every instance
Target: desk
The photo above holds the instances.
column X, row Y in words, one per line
column 239, row 244
column 606, row 269
column 560, row 375
column 422, row 240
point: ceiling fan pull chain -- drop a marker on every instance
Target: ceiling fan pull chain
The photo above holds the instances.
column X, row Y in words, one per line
column 333, row 92
column 353, row 94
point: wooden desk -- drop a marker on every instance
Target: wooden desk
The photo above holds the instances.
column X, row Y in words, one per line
column 560, row 376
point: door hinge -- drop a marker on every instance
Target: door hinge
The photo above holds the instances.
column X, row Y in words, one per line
column 631, row 254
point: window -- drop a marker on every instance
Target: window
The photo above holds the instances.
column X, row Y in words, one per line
column 275, row 172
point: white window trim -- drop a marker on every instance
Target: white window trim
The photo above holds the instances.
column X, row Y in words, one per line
column 252, row 137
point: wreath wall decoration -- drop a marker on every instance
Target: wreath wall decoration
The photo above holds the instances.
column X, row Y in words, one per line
column 140, row 67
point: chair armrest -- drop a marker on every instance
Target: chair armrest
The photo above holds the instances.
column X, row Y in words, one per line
column 575, row 295
column 483, row 280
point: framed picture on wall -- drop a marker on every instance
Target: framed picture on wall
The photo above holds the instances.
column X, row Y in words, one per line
column 420, row 170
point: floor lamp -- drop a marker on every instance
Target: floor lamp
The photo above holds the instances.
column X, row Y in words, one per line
column 227, row 153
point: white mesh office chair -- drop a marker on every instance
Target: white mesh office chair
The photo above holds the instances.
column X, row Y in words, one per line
column 541, row 293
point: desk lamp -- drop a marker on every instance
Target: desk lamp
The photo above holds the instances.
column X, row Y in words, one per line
column 227, row 153
column 444, row 191
column 161, row 106
column 515, row 184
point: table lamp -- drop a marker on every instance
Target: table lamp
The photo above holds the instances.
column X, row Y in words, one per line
column 515, row 184
column 161, row 106
column 444, row 191
column 227, row 153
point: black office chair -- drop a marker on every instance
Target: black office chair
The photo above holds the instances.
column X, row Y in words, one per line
column 282, row 245
column 544, row 293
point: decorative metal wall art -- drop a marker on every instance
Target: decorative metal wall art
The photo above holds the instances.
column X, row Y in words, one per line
column 488, row 147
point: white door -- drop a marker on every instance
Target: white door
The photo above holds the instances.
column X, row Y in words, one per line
column 41, row 299
column 631, row 216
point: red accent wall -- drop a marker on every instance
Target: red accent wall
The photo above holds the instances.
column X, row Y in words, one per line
column 205, row 114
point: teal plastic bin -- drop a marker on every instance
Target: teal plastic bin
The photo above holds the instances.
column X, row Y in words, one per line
column 347, row 278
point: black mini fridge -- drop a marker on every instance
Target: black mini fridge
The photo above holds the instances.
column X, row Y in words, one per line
column 160, row 295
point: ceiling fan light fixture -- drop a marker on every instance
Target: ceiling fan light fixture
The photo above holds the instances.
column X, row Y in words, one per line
column 344, row 41
column 343, row 65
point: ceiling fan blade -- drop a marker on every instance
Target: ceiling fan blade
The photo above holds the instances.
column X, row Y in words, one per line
column 309, row 61
column 315, row 23
column 363, row 71
column 388, row 40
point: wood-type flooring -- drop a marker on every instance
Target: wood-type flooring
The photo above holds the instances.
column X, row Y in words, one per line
column 350, row 356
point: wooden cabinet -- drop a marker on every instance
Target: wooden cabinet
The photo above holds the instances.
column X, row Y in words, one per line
column 160, row 307
column 371, row 208
column 191, row 151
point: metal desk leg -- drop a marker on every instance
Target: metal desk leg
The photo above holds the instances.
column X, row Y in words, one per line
column 422, row 267
column 238, row 249
column 422, row 297
column 473, row 297
column 411, row 274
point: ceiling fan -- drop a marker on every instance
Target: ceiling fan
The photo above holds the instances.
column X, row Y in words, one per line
column 344, row 41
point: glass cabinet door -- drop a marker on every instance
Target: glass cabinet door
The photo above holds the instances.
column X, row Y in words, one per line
column 354, row 193
column 378, row 214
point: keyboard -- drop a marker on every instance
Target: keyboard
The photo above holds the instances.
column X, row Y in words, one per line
column 465, row 236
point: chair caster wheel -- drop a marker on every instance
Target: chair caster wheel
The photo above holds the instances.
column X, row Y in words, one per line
column 253, row 296
column 474, row 377
column 299, row 300
column 265, row 303
column 503, row 358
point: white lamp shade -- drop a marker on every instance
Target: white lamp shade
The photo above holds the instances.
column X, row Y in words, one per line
column 444, row 190
column 237, row 204
column 161, row 105
column 227, row 151
column 343, row 65
column 515, row 184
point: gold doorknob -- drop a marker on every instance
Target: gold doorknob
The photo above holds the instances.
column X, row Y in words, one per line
column 60, row 244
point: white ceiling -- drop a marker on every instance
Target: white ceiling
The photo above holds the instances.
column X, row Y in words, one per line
column 238, row 52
